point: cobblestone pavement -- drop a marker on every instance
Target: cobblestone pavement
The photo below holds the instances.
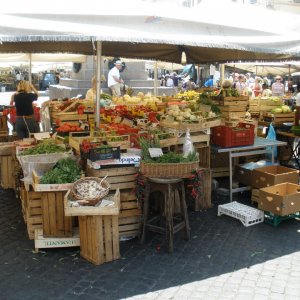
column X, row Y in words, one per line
column 223, row 260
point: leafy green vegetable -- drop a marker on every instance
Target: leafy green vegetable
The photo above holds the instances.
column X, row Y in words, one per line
column 65, row 171
column 47, row 146
column 172, row 157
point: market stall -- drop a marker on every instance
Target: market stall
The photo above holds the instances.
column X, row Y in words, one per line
column 177, row 130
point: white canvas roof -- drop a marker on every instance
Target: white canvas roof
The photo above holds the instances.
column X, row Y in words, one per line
column 139, row 29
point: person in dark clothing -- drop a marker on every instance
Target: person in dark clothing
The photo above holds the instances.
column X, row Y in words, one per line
column 23, row 100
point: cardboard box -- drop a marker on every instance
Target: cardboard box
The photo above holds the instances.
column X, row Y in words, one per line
column 272, row 175
column 243, row 175
column 281, row 199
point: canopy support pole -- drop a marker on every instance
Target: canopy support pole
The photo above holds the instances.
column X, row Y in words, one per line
column 222, row 75
column 155, row 78
column 98, row 77
column 30, row 67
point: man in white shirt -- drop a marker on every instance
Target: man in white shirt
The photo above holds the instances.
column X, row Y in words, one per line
column 113, row 79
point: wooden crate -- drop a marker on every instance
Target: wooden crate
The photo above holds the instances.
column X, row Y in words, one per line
column 3, row 124
column 32, row 210
column 197, row 137
column 55, row 223
column 7, row 172
column 220, row 172
column 279, row 118
column 99, row 238
column 123, row 178
column 254, row 195
column 204, row 156
column 122, row 141
column 233, row 108
column 234, row 115
column 42, row 242
column 38, row 187
column 66, row 117
column 230, row 101
column 204, row 201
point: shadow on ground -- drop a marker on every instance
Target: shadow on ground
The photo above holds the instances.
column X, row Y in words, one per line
column 218, row 245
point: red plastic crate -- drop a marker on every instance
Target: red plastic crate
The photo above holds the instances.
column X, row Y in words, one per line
column 225, row 136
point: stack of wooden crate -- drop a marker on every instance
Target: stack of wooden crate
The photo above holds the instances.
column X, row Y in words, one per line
column 124, row 179
column 3, row 128
column 7, row 166
column 233, row 109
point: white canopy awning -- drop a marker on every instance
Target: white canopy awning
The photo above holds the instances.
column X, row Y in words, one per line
column 42, row 57
column 139, row 29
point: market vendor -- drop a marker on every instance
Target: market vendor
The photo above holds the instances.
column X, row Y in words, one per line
column 23, row 100
column 114, row 81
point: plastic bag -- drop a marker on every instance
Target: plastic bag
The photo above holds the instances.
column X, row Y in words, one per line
column 271, row 136
column 188, row 146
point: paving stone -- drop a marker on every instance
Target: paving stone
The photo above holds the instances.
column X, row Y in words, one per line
column 223, row 260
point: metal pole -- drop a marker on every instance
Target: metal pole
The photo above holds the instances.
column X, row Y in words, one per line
column 30, row 66
column 155, row 78
column 98, row 76
column 222, row 75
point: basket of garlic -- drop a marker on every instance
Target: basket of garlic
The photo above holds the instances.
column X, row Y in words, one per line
column 90, row 190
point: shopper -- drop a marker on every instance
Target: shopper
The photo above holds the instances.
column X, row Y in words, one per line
column 114, row 81
column 209, row 82
column 241, row 84
column 277, row 87
column 257, row 87
column 23, row 100
column 169, row 81
column 266, row 92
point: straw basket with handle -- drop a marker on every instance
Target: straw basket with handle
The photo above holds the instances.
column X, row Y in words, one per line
column 90, row 190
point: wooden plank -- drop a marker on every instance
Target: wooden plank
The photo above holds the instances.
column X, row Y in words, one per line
column 111, row 171
column 51, row 231
column 129, row 220
column 90, row 231
column 129, row 205
column 41, row 242
column 101, row 244
column 130, row 213
column 46, row 215
column 121, row 179
column 234, row 108
column 108, row 238
column 220, row 172
column 115, row 235
column 129, row 227
column 83, row 235
column 124, row 185
column 127, row 196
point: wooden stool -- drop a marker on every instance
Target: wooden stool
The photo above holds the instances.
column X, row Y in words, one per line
column 168, row 187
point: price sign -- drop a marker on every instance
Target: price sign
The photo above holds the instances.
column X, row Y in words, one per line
column 155, row 152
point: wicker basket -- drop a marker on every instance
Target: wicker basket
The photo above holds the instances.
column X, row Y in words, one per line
column 168, row 170
column 80, row 196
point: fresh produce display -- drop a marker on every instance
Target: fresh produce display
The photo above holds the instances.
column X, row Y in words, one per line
column 281, row 109
column 47, row 146
column 90, row 190
column 188, row 95
column 140, row 99
column 185, row 114
column 65, row 171
column 172, row 157
column 66, row 127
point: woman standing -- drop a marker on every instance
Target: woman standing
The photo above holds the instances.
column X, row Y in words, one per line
column 257, row 87
column 23, row 100
column 278, row 87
